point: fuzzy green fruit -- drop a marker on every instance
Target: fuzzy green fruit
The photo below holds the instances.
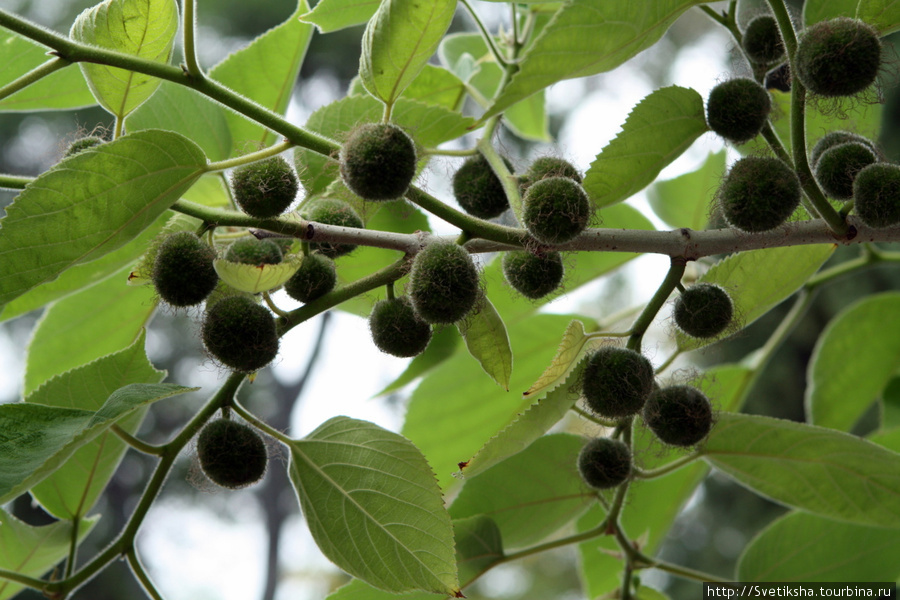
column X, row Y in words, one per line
column 737, row 109
column 478, row 190
column 378, row 161
column 533, row 275
column 839, row 57
column 876, row 195
column 443, row 283
column 315, row 278
column 679, row 415
column 240, row 334
column 252, row 251
column 762, row 41
column 82, row 144
column 604, row 463
column 836, row 138
column 617, row 382
column 266, row 188
column 838, row 167
column 183, row 272
column 549, row 166
column 231, row 454
column 397, row 329
column 759, row 194
column 330, row 211
column 703, row 310
column 557, row 209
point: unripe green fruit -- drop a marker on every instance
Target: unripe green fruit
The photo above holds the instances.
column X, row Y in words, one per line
column 533, row 275
column 315, row 278
column 330, row 211
column 703, row 310
column 779, row 78
column 231, row 454
column 679, row 415
column 443, row 283
column 762, row 41
column 549, row 166
column 397, row 329
column 378, row 161
column 241, row 334
column 737, row 109
column 478, row 190
column 617, row 382
column 556, row 210
column 266, row 188
column 836, row 138
column 838, row 167
column 876, row 195
column 604, row 463
column 759, row 194
column 839, row 57
column 183, row 272
column 82, row 144
column 251, row 251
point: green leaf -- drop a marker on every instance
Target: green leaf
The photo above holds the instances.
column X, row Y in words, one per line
column 36, row 439
column 367, row 492
column 256, row 278
column 333, row 15
column 890, row 404
column 658, row 130
column 803, row 547
column 487, row 341
column 759, row 280
column 33, row 551
column 854, row 358
column 142, row 28
column 62, row 90
column 685, row 201
column 884, row 15
column 530, row 495
column 585, row 38
column 178, row 108
column 528, row 118
column 818, row 470
column 398, row 42
column 71, row 491
column 91, row 204
column 265, row 72
column 442, row 346
column 437, row 86
column 83, row 327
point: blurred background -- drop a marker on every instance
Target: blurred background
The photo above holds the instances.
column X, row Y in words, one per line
column 201, row 543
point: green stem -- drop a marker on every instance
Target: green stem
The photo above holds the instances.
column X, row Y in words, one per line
column 271, row 304
column 593, row 418
column 73, row 547
column 118, row 127
column 441, row 152
column 31, row 582
column 673, row 278
column 249, row 158
column 141, row 574
column 14, row 182
column 473, row 225
column 190, row 34
column 762, row 356
column 668, row 362
column 498, row 165
column 485, row 34
column 259, row 424
column 666, row 469
column 137, row 444
column 650, row 563
column 39, row 72
column 560, row 543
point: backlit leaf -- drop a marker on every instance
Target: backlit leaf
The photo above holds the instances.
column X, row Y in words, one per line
column 686, row 200
column 256, row 278
column 487, row 341
column 333, row 15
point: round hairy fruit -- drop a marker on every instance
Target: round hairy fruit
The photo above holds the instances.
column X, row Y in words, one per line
column 557, row 209
column 604, row 463
column 533, row 275
column 397, row 329
column 762, row 41
column 703, row 310
column 266, row 188
column 617, row 382
column 737, row 109
column 759, row 194
column 315, row 278
column 82, row 144
column 240, row 334
column 183, row 272
column 839, row 57
column 231, row 454
column 252, row 251
column 478, row 190
column 679, row 415
column 836, row 138
column 876, row 195
column 330, row 211
column 779, row 78
column 838, row 167
column 378, row 161
column 443, row 283
column 549, row 166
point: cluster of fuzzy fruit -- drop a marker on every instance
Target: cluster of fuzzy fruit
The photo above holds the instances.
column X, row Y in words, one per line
column 836, row 58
